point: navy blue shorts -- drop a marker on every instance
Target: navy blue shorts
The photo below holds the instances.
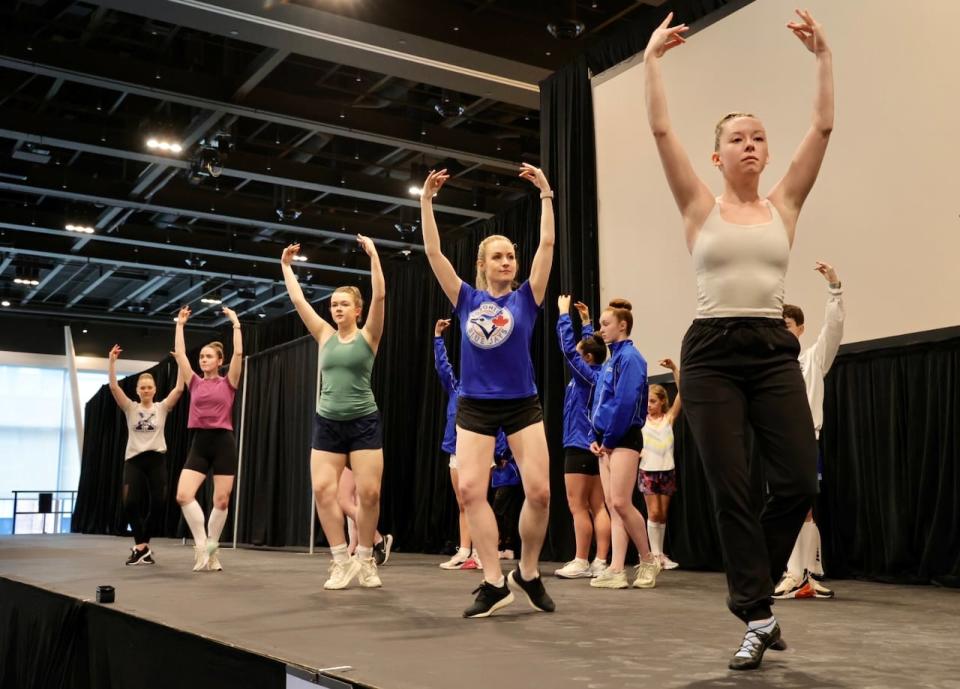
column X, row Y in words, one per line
column 344, row 437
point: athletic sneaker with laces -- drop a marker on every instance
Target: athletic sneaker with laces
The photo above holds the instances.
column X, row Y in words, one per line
column 140, row 557
column 755, row 642
column 381, row 550
column 819, row 590
column 455, row 562
column 470, row 563
column 213, row 562
column 790, row 587
column 575, row 569
column 368, row 577
column 608, row 579
column 667, row 563
column 200, row 559
column 647, row 572
column 342, row 573
column 597, row 567
column 489, row 599
column 537, row 596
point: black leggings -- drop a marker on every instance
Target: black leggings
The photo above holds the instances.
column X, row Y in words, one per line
column 739, row 372
column 144, row 490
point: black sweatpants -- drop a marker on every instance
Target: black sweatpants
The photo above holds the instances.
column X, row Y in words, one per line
column 144, row 490
column 739, row 371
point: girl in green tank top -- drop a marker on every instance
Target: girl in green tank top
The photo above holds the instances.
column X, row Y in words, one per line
column 347, row 423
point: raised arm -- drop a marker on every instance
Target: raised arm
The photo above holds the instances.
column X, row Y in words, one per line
column 118, row 394
column 692, row 196
column 828, row 341
column 317, row 327
column 441, row 266
column 674, row 412
column 586, row 326
column 236, row 359
column 440, row 360
column 378, row 296
column 180, row 347
column 543, row 259
column 170, row 401
column 791, row 191
column 568, row 345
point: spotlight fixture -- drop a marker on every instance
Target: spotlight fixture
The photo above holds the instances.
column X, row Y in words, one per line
column 449, row 105
column 28, row 276
column 135, row 307
column 83, row 229
column 405, row 227
column 566, row 28
column 212, row 299
column 415, row 190
column 195, row 262
column 288, row 211
column 300, row 257
column 246, row 294
column 165, row 145
column 5, row 303
column 261, row 314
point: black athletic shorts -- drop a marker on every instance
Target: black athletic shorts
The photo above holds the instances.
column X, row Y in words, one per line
column 631, row 440
column 344, row 437
column 487, row 417
column 213, row 448
column 576, row 460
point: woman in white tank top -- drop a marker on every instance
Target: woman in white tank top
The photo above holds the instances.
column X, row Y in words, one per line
column 739, row 361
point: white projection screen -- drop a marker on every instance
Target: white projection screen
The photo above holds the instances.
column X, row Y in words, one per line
column 885, row 208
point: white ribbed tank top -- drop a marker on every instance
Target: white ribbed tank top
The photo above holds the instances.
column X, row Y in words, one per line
column 657, row 454
column 741, row 268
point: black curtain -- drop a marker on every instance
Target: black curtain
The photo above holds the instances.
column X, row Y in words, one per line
column 274, row 494
column 891, row 484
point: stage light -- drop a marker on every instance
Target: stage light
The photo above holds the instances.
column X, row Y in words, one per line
column 83, row 229
column 262, row 314
column 415, row 190
column 165, row 145
column 5, row 303
column 300, row 257
column 211, row 300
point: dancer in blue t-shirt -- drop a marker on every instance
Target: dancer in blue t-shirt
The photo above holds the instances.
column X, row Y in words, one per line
column 498, row 391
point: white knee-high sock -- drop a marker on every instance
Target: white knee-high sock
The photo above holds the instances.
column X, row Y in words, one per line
column 218, row 518
column 814, row 558
column 193, row 515
column 655, row 532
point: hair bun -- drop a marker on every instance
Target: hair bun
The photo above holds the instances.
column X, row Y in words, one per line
column 621, row 304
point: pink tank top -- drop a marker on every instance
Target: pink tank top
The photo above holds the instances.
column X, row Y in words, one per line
column 211, row 403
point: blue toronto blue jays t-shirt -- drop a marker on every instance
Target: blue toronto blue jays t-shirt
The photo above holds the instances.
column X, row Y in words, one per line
column 495, row 334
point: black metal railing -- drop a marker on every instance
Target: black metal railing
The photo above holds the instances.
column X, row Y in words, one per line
column 46, row 502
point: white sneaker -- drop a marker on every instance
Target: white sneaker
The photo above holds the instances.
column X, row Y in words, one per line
column 788, row 584
column 575, row 569
column 647, row 572
column 342, row 573
column 369, row 578
column 201, row 559
column 667, row 563
column 597, row 567
column 213, row 562
column 458, row 559
column 608, row 579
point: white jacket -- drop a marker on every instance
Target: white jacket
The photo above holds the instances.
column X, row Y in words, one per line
column 815, row 361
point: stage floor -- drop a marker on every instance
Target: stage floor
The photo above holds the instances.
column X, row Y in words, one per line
column 410, row 635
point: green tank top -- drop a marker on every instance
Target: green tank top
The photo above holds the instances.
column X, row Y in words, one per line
column 345, row 369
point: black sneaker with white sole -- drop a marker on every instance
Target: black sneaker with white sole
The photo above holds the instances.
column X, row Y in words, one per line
column 536, row 595
column 140, row 557
column 381, row 550
column 490, row 598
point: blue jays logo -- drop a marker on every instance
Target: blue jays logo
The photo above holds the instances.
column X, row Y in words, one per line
column 489, row 325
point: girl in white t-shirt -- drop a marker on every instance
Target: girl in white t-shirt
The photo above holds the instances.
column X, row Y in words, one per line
column 657, row 478
column 144, row 467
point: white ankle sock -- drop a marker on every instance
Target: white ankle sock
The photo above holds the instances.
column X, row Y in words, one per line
column 339, row 553
column 655, row 532
column 215, row 524
column 364, row 553
column 814, row 562
column 193, row 515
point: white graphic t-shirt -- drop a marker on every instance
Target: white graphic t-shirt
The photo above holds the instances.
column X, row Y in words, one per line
column 145, row 428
